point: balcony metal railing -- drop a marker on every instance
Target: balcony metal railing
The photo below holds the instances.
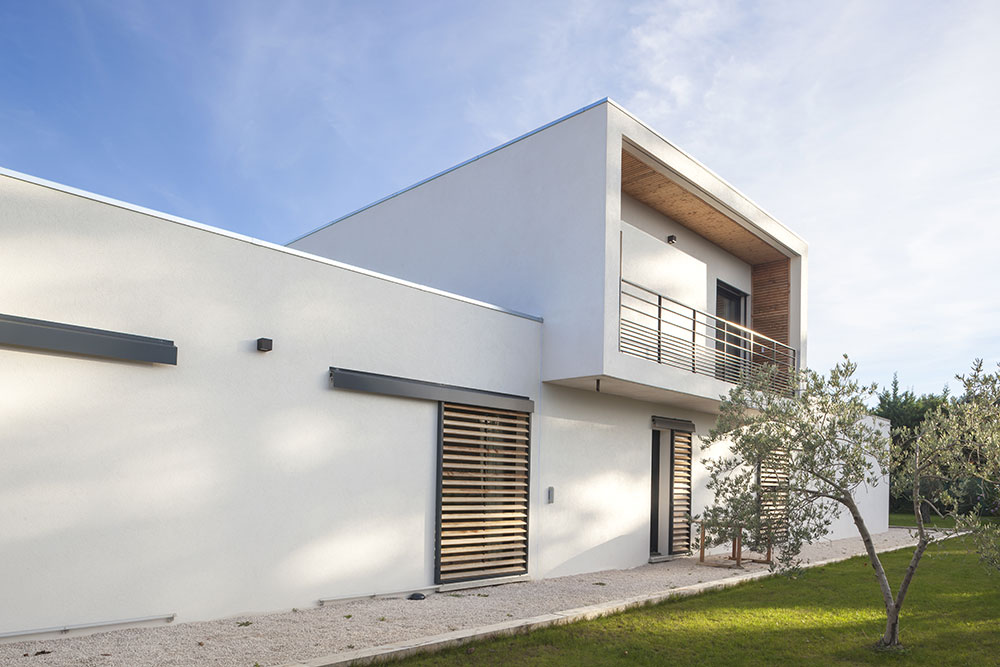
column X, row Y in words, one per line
column 655, row 327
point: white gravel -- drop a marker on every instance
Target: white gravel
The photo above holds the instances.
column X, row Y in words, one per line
column 276, row 639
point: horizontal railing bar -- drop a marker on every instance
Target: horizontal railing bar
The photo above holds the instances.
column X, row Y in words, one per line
column 713, row 363
column 703, row 365
column 661, row 329
column 715, row 347
column 721, row 337
column 732, row 338
column 697, row 310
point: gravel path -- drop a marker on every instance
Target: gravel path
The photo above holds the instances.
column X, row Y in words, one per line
column 276, row 639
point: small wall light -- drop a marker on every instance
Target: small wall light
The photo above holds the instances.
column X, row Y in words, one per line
column 265, row 344
column 550, row 495
column 672, row 239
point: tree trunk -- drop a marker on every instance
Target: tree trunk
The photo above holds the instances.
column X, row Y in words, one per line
column 891, row 636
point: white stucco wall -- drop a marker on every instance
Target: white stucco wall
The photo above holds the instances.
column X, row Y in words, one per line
column 521, row 227
column 719, row 264
column 235, row 481
column 596, row 451
column 873, row 501
column 655, row 265
column 239, row 481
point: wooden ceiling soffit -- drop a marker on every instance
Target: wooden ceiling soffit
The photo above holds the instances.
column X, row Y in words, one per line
column 658, row 192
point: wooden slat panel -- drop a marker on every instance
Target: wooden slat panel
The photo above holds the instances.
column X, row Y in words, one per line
column 491, row 473
column 454, row 516
column 483, row 421
column 485, row 508
column 503, row 464
column 484, row 493
column 488, row 443
column 459, row 558
column 472, row 499
column 451, row 523
column 523, row 416
column 479, row 530
column 455, row 567
column 510, row 465
column 509, row 472
column 484, row 483
column 492, row 451
column 455, row 551
column 680, row 463
column 513, row 540
column 770, row 295
column 503, row 494
column 485, row 573
column 474, row 421
column 453, row 427
column 774, row 474
column 485, row 458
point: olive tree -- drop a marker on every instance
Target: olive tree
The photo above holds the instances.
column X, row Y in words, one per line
column 791, row 462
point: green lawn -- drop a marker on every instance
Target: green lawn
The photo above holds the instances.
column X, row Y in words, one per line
column 907, row 519
column 828, row 615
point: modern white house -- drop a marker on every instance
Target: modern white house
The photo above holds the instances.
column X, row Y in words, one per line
column 501, row 372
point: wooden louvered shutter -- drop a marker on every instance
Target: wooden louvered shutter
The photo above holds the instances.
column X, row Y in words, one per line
column 774, row 491
column 483, row 499
column 680, row 506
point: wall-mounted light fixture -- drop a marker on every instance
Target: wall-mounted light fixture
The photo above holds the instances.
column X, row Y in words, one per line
column 265, row 344
column 672, row 239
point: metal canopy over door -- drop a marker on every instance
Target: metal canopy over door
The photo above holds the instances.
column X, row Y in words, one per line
column 483, row 493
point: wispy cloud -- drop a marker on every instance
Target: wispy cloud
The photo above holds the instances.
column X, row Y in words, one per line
column 866, row 127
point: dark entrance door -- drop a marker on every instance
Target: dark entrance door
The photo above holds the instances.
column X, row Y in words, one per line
column 670, row 501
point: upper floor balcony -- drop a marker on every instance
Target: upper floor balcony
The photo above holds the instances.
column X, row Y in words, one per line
column 663, row 330
column 701, row 287
column 551, row 223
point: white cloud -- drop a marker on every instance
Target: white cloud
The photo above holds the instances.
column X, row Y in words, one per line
column 869, row 128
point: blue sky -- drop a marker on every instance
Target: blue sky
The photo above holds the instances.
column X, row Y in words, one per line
column 870, row 128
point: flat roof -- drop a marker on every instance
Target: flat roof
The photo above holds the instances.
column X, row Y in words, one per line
column 607, row 100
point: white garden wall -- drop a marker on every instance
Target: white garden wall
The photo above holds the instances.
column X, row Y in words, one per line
column 873, row 501
column 236, row 480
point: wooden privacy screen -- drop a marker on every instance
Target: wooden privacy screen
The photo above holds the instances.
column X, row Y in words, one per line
column 680, row 479
column 483, row 499
column 774, row 491
column 770, row 293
